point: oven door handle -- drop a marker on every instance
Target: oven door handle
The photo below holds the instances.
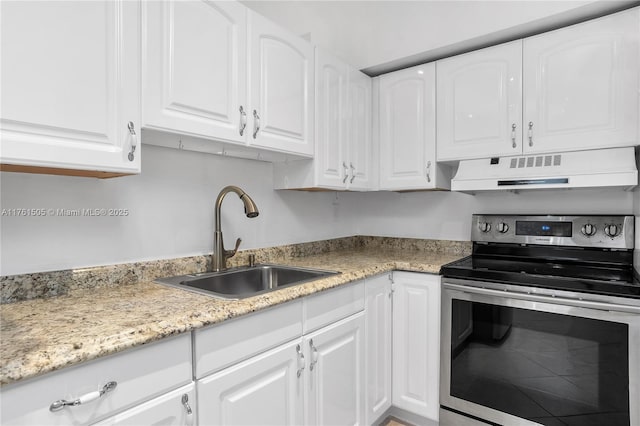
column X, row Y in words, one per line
column 612, row 307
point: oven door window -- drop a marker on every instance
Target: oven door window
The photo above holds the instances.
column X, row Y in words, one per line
column 550, row 368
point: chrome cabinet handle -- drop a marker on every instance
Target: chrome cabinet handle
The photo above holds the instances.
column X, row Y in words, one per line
column 531, row 133
column 353, row 172
column 256, row 123
column 134, row 140
column 84, row 399
column 346, row 172
column 185, row 403
column 428, row 171
column 243, row 120
column 513, row 135
column 314, row 355
column 301, row 362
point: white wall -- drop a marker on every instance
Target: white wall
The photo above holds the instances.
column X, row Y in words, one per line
column 370, row 33
column 447, row 215
column 171, row 213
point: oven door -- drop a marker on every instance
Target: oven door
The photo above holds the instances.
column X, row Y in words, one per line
column 513, row 355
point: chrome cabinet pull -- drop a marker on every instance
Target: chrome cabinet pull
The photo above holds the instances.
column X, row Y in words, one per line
column 513, row 135
column 185, row 402
column 134, row 140
column 256, row 123
column 346, row 172
column 84, row 399
column 301, row 362
column 353, row 172
column 243, row 120
column 428, row 169
column 531, row 133
column 314, row 355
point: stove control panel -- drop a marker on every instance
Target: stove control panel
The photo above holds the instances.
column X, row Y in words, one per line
column 615, row 232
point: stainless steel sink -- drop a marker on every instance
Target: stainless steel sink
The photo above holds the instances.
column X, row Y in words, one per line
column 247, row 281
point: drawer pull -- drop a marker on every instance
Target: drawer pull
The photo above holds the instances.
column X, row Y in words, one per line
column 314, row 355
column 84, row 399
column 185, row 402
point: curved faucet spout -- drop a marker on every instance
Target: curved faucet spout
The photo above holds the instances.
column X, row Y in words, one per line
column 220, row 255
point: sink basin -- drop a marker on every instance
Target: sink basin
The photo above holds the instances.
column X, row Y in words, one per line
column 239, row 283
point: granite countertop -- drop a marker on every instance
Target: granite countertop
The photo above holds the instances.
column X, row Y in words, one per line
column 44, row 335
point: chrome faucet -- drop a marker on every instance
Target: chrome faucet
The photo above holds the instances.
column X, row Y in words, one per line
column 220, row 255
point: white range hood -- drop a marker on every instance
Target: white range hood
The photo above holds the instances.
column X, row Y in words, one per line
column 613, row 167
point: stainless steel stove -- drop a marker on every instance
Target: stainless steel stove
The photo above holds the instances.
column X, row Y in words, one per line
column 541, row 324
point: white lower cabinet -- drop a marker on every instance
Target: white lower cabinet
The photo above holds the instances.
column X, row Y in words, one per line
column 263, row 390
column 416, row 343
column 334, row 377
column 172, row 409
column 378, row 348
column 136, row 377
column 316, row 378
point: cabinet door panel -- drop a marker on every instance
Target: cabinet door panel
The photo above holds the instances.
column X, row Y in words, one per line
column 416, row 337
column 407, row 127
column 479, row 103
column 195, row 67
column 581, row 85
column 358, row 124
column 281, row 84
column 331, row 81
column 264, row 390
column 70, row 85
column 335, row 380
column 378, row 347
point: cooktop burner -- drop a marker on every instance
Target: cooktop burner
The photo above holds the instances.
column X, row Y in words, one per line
column 590, row 254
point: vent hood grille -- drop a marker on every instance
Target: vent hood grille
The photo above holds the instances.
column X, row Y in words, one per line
column 615, row 167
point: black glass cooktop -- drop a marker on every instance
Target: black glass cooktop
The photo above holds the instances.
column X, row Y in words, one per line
column 572, row 269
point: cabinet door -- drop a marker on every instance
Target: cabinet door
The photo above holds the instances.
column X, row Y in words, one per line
column 195, row 68
column 377, row 347
column 480, row 103
column 407, row 128
column 581, row 85
column 175, row 408
column 358, row 130
column 416, row 343
column 331, row 81
column 264, row 390
column 281, row 88
column 70, row 85
column 335, row 373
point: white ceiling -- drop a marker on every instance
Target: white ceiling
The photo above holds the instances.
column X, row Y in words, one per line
column 371, row 33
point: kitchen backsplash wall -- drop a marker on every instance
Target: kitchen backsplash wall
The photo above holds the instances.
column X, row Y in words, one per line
column 169, row 212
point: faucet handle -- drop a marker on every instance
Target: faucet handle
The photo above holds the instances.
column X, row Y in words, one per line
column 231, row 253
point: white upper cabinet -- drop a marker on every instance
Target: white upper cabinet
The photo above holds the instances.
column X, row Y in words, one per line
column 358, row 128
column 342, row 158
column 215, row 71
column 70, row 87
column 331, row 110
column 195, row 68
column 280, row 88
column 480, row 103
column 408, row 130
column 579, row 91
column 581, row 85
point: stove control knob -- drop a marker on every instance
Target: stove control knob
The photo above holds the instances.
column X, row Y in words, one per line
column 484, row 226
column 611, row 230
column 502, row 228
column 588, row 230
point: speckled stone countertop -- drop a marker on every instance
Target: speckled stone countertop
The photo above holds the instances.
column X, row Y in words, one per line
column 44, row 335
